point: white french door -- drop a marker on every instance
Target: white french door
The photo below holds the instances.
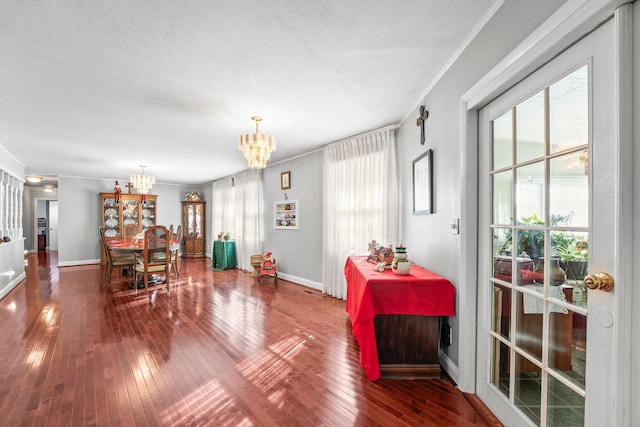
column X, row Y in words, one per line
column 550, row 215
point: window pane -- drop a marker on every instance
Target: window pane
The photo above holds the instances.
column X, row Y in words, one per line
column 569, row 111
column 501, row 310
column 530, row 192
column 568, row 343
column 502, row 199
column 572, row 250
column 503, row 140
column 502, row 241
column 528, row 389
column 564, row 406
column 530, row 128
column 500, row 366
column 531, row 245
column 529, row 309
column 569, row 189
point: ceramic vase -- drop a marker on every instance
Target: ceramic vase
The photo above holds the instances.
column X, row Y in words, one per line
column 558, row 275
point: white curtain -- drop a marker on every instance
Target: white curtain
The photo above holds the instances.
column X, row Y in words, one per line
column 222, row 207
column 237, row 209
column 248, row 207
column 361, row 202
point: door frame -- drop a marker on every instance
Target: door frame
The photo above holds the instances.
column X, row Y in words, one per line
column 567, row 25
column 34, row 219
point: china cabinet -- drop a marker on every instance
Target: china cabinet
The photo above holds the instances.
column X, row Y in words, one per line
column 286, row 215
column 193, row 229
column 131, row 209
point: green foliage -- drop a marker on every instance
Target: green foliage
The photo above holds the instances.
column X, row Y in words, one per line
column 566, row 246
column 572, row 248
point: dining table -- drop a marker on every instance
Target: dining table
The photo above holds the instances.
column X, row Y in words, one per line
column 136, row 247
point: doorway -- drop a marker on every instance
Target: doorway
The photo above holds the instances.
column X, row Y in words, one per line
column 46, row 225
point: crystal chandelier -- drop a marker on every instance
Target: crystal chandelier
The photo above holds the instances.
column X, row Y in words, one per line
column 257, row 147
column 142, row 183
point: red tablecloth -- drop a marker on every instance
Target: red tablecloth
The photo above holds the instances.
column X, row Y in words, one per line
column 370, row 292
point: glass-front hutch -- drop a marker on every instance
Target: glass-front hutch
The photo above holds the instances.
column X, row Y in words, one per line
column 130, row 209
column 193, row 229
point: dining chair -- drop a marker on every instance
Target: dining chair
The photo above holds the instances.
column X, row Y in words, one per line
column 156, row 256
column 177, row 242
column 131, row 231
column 113, row 260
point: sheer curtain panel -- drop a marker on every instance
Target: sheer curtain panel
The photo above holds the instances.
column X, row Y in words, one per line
column 360, row 201
column 221, row 207
column 237, row 209
column 248, row 203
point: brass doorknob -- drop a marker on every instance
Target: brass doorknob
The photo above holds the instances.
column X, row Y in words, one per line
column 601, row 281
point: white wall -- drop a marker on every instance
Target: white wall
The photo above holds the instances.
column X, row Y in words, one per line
column 79, row 215
column 298, row 252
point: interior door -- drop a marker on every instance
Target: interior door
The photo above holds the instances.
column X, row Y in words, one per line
column 548, row 165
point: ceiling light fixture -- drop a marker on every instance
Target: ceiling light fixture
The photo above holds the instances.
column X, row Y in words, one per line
column 33, row 178
column 48, row 188
column 143, row 183
column 257, row 147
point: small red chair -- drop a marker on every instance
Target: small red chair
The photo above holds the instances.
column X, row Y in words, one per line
column 268, row 268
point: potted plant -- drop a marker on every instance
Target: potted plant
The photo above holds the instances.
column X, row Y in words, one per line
column 573, row 252
column 529, row 241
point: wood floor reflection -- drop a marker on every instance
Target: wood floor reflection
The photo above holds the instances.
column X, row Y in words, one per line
column 219, row 350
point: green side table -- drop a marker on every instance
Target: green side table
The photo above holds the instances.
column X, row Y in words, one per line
column 224, row 254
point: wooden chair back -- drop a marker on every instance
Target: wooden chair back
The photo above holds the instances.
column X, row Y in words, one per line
column 131, row 231
column 156, row 256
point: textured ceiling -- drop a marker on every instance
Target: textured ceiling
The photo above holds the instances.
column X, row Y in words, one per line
column 96, row 88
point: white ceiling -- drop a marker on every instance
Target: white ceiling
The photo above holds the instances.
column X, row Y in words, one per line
column 96, row 88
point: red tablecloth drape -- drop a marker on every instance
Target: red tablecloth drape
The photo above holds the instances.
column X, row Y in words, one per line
column 370, row 292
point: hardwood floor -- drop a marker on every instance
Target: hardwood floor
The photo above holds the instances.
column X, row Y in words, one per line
column 219, row 350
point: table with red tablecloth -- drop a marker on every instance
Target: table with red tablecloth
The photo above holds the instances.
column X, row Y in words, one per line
column 371, row 292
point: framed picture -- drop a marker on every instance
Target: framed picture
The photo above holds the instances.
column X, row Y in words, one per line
column 423, row 184
column 285, row 180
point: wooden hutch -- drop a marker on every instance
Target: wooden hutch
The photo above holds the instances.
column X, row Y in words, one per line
column 130, row 210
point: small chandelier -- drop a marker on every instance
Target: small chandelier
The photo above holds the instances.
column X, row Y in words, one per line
column 142, row 183
column 257, row 147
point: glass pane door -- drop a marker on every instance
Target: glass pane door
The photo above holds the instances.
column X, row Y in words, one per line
column 190, row 222
column 539, row 225
column 198, row 220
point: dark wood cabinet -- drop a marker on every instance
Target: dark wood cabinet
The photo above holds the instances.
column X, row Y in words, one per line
column 193, row 229
column 408, row 345
column 42, row 242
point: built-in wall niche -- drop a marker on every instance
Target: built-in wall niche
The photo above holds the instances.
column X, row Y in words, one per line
column 286, row 215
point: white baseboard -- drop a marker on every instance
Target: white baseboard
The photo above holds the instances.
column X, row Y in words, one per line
column 12, row 284
column 81, row 262
column 449, row 366
column 304, row 282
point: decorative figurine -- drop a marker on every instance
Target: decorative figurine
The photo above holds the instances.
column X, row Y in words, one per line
column 379, row 253
column 117, row 191
column 401, row 264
